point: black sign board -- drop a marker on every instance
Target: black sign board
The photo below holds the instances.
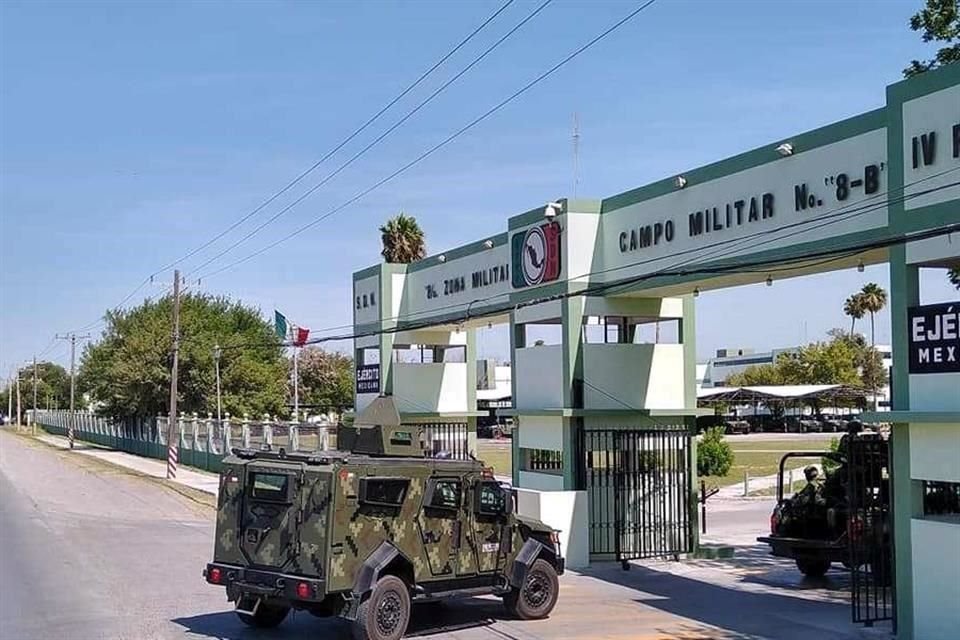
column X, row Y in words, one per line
column 368, row 378
column 934, row 338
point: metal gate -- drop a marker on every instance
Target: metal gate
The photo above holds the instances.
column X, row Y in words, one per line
column 638, row 487
column 869, row 527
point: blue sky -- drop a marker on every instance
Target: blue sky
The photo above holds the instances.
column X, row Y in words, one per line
column 132, row 132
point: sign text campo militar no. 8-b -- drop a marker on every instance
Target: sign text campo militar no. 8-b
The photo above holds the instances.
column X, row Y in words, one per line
column 935, row 338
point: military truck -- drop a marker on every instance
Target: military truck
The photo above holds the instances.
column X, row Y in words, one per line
column 365, row 531
column 824, row 524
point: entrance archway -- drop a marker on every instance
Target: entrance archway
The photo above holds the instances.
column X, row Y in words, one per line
column 883, row 186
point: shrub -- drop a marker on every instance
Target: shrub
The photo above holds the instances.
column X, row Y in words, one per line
column 714, row 455
column 828, row 464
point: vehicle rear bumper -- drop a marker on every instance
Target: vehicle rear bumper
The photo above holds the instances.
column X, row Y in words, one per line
column 270, row 584
column 796, row 547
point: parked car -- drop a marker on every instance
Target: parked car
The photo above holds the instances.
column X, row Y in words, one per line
column 736, row 426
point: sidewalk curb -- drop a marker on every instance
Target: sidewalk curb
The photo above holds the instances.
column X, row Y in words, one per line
column 200, row 497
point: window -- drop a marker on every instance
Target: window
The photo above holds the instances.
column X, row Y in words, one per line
column 443, row 494
column 429, row 354
column 941, row 498
column 269, row 486
column 383, row 492
column 543, row 459
column 491, row 499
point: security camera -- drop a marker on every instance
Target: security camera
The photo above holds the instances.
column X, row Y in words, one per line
column 552, row 209
column 785, row 149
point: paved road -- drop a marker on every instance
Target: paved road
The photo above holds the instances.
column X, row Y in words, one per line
column 88, row 550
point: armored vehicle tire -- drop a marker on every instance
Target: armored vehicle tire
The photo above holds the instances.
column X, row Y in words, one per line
column 813, row 567
column 266, row 617
column 385, row 614
column 538, row 595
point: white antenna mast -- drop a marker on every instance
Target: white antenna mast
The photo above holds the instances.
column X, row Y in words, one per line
column 576, row 153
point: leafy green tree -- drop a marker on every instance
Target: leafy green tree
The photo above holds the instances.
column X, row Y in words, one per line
column 714, row 454
column 53, row 388
column 939, row 21
column 833, row 362
column 402, row 240
column 853, row 307
column 873, row 298
column 756, row 375
column 326, row 379
column 127, row 372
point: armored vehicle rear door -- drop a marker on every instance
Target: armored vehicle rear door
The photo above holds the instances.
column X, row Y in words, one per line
column 271, row 513
column 485, row 515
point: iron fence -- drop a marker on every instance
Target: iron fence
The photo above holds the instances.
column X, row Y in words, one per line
column 204, row 442
column 638, row 483
column 869, row 523
column 447, row 439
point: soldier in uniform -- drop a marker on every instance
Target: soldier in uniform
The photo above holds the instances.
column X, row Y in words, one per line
column 812, row 494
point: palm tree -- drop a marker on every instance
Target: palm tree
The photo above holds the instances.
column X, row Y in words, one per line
column 953, row 275
column 873, row 298
column 853, row 307
column 402, row 240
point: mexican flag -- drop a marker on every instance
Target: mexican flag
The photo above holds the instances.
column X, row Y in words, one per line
column 301, row 336
column 280, row 324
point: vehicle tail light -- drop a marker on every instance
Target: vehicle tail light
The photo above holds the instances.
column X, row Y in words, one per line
column 774, row 522
column 303, row 590
column 855, row 528
column 214, row 575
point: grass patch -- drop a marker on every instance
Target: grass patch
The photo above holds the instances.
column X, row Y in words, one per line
column 497, row 454
column 757, row 464
column 811, row 444
column 772, row 491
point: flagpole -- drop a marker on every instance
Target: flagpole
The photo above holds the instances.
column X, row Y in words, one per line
column 296, row 384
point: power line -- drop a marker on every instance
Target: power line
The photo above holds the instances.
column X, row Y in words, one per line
column 543, row 76
column 323, row 159
column 799, row 261
column 588, row 291
column 376, row 140
column 840, row 214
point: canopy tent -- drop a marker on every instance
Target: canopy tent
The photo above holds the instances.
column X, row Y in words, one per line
column 823, row 393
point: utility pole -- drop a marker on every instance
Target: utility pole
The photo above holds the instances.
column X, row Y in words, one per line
column 10, row 399
column 34, row 420
column 19, row 412
column 216, row 364
column 173, row 434
column 73, row 379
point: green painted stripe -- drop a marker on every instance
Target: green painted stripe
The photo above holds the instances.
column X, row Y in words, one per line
column 367, row 273
column 828, row 134
column 457, row 253
column 922, row 84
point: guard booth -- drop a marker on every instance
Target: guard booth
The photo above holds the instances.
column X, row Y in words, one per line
column 600, row 299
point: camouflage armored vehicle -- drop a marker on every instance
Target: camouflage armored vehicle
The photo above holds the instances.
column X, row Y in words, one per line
column 365, row 531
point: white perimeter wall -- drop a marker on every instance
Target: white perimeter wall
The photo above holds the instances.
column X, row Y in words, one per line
column 935, row 392
column 643, row 376
column 539, row 377
column 936, row 579
column 935, row 454
column 421, row 388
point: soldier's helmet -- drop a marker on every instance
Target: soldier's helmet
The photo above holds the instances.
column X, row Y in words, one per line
column 811, row 473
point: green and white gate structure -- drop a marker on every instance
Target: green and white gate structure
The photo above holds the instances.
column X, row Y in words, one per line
column 618, row 277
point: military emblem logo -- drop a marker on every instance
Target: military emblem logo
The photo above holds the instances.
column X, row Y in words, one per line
column 536, row 255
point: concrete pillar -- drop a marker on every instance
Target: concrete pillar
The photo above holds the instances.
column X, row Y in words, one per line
column 226, row 435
